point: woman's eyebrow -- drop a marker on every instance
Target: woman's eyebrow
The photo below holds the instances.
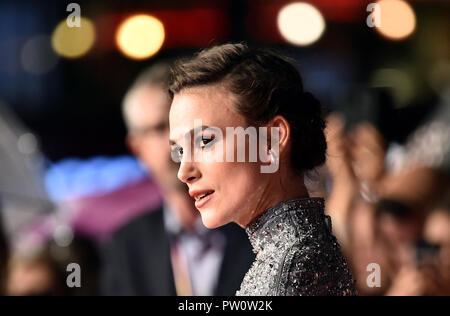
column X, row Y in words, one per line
column 191, row 132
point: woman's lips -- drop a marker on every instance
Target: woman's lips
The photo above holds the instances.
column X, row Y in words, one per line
column 204, row 200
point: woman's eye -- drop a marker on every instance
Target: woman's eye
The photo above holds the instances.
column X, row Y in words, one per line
column 177, row 153
column 205, row 141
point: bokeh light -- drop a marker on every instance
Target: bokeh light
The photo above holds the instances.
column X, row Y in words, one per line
column 397, row 19
column 73, row 42
column 300, row 23
column 37, row 55
column 140, row 36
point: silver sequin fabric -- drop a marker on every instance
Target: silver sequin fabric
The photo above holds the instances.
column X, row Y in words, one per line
column 296, row 253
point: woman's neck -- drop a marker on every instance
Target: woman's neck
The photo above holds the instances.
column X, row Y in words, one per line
column 291, row 187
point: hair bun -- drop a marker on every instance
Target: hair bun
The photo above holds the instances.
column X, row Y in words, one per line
column 312, row 105
column 310, row 137
column 308, row 96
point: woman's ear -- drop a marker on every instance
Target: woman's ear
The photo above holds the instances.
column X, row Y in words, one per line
column 284, row 132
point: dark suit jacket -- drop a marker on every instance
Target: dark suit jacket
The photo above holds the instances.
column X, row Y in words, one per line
column 136, row 261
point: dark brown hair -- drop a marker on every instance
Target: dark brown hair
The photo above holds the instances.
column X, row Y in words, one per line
column 266, row 84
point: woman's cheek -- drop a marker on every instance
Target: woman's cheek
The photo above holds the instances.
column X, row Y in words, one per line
column 211, row 156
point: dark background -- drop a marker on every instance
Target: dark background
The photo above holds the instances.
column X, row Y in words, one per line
column 75, row 108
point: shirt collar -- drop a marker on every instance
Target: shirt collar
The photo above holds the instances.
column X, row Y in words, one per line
column 287, row 221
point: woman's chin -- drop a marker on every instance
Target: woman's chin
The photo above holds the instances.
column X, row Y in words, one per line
column 211, row 220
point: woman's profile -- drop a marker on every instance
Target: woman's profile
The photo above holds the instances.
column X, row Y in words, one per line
column 234, row 87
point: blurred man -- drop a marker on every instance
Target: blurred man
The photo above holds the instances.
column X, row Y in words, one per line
column 168, row 251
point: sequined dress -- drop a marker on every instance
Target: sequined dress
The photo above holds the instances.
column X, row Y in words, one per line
column 296, row 253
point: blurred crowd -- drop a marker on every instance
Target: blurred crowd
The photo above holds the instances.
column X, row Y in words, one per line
column 389, row 203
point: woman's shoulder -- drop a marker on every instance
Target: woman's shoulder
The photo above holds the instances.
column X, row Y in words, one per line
column 316, row 268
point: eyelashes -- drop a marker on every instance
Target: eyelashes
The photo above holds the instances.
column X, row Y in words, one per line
column 177, row 154
column 202, row 142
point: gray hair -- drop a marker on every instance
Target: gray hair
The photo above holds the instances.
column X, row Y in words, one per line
column 156, row 75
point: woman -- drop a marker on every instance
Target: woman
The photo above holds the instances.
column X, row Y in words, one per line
column 231, row 87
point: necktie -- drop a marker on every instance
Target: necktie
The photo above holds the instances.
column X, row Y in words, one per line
column 180, row 268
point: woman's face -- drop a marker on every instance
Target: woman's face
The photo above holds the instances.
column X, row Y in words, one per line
column 235, row 189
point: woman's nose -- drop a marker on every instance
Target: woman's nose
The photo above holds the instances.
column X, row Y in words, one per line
column 187, row 172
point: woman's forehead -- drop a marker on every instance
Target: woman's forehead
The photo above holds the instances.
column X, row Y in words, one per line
column 200, row 106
